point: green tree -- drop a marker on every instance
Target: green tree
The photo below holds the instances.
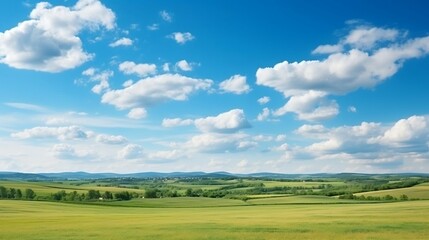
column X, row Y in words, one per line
column 123, row 195
column 150, row 193
column 189, row 192
column 107, row 195
column 58, row 196
column 3, row 192
column 18, row 194
column 93, row 194
column 403, row 197
column 11, row 194
column 29, row 193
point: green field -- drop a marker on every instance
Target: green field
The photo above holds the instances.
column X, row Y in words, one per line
column 420, row 191
column 215, row 208
column 47, row 188
column 47, row 220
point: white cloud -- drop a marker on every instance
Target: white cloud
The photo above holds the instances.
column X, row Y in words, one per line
column 61, row 133
column 369, row 56
column 280, row 138
column 243, row 163
column 166, row 67
column 311, row 130
column 282, row 148
column 127, row 83
column 49, row 40
column 142, row 69
column 155, row 90
column 366, row 38
column 165, row 16
column 101, row 87
column 369, row 145
column 111, row 139
column 165, row 156
column 262, row 138
column 327, row 49
column 264, row 100
column 137, row 113
column 235, row 84
column 184, row 65
column 219, row 143
column 175, row 122
column 227, row 122
column 181, row 38
column 310, row 106
column 102, row 77
column 406, row 131
column 131, row 151
column 122, row 42
column 97, row 121
column 66, row 151
column 153, row 27
column 263, row 115
column 89, row 72
column 26, row 106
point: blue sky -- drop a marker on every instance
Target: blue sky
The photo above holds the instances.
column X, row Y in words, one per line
column 238, row 86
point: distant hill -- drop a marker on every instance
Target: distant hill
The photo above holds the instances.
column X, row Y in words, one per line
column 23, row 176
column 86, row 175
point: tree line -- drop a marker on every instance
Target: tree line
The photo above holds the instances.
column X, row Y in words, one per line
column 16, row 193
column 92, row 195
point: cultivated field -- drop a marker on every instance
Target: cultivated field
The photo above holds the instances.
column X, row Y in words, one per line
column 420, row 191
column 47, row 220
column 217, row 208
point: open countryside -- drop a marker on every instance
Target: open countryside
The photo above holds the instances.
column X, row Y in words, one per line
column 220, row 207
column 215, row 119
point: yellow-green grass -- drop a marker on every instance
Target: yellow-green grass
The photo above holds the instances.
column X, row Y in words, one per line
column 46, row 220
column 47, row 188
column 293, row 199
column 180, row 202
column 420, row 191
column 258, row 196
column 195, row 186
column 300, row 184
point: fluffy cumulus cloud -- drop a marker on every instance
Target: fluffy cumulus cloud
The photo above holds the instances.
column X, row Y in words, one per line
column 176, row 122
column 49, row 40
column 236, row 84
column 263, row 115
column 122, row 42
column 155, row 90
column 111, row 139
column 137, row 113
column 227, row 122
column 141, row 69
column 264, row 100
column 219, row 143
column 101, row 77
column 184, row 65
column 165, row 156
column 131, row 151
column 363, row 59
column 68, row 152
column 61, row 133
column 368, row 145
column 181, row 37
column 310, row 106
column 412, row 131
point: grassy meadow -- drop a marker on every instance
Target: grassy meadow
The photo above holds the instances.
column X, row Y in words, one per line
column 48, row 220
column 236, row 209
column 420, row 191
